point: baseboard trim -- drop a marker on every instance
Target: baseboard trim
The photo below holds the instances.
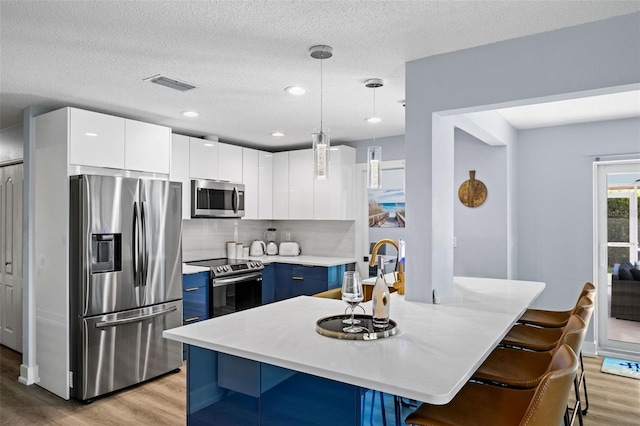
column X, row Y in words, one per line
column 589, row 349
column 28, row 375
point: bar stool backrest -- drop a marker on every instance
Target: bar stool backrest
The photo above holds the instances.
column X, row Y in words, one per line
column 549, row 402
column 588, row 290
column 584, row 309
column 574, row 333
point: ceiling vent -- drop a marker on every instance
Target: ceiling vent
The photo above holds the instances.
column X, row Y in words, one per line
column 171, row 83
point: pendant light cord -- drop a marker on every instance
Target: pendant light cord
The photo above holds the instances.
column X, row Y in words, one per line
column 374, row 114
column 321, row 96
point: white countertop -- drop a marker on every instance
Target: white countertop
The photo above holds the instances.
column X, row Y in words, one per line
column 390, row 278
column 193, row 269
column 436, row 350
column 305, row 260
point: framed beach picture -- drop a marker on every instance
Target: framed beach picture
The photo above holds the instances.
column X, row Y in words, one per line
column 386, row 208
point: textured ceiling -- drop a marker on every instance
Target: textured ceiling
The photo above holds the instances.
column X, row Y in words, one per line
column 242, row 54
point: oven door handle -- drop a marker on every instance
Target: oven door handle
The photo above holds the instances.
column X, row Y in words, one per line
column 242, row 278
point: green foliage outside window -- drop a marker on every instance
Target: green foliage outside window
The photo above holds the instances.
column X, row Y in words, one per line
column 618, row 227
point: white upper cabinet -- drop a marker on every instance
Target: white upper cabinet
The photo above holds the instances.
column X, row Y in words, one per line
column 250, row 179
column 265, row 185
column 147, row 147
column 96, row 139
column 301, row 184
column 333, row 198
column 180, row 170
column 280, row 194
column 203, row 159
column 229, row 162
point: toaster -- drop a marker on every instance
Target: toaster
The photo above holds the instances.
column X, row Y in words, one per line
column 289, row 248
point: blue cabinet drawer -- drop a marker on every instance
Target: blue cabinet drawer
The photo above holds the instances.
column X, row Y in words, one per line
column 200, row 279
column 309, row 272
column 195, row 304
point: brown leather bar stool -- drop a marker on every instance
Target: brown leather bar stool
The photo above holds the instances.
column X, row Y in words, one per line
column 480, row 404
column 525, row 369
column 554, row 319
column 544, row 339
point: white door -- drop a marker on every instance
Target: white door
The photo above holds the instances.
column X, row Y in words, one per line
column 616, row 216
column 11, row 256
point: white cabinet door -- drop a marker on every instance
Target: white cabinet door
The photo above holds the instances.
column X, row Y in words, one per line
column 96, row 139
column 250, row 180
column 147, row 147
column 280, row 185
column 333, row 198
column 229, row 162
column 203, row 159
column 301, row 184
column 265, row 185
column 180, row 170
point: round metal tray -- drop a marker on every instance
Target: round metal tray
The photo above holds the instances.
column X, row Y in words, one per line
column 332, row 326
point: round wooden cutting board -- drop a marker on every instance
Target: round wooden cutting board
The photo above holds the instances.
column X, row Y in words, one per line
column 472, row 192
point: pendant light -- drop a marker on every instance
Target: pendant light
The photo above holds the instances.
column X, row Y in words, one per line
column 374, row 153
column 320, row 137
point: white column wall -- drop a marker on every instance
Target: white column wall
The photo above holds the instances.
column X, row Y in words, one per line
column 592, row 58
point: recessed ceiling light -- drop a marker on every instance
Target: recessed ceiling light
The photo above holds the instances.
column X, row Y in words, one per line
column 295, row 90
column 373, row 120
column 190, row 114
column 277, row 134
column 91, row 134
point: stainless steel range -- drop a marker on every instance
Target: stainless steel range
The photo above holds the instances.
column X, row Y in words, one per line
column 236, row 284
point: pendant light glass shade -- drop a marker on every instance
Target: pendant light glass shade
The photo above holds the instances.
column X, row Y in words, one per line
column 374, row 153
column 374, row 169
column 320, row 137
column 321, row 145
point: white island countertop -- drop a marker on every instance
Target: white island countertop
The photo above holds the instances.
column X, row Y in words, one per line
column 436, row 350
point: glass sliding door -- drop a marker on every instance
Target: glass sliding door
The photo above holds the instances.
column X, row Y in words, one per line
column 617, row 190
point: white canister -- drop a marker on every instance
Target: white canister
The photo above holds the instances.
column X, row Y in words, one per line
column 231, row 249
column 245, row 252
column 239, row 250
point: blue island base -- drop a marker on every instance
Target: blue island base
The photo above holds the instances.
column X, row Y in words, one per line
column 228, row 390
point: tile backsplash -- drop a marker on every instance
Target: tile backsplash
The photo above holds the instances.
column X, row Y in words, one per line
column 316, row 237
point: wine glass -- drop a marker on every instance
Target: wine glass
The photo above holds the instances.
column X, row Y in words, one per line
column 352, row 295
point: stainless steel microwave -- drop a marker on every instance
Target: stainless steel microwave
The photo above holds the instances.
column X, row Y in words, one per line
column 210, row 198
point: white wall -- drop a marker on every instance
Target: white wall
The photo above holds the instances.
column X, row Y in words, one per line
column 592, row 58
column 481, row 232
column 556, row 203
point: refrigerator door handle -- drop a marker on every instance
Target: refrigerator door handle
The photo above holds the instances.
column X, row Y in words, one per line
column 145, row 251
column 135, row 319
column 134, row 244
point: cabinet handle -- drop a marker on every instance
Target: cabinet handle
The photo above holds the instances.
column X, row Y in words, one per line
column 297, row 278
column 190, row 319
column 308, row 266
column 191, row 289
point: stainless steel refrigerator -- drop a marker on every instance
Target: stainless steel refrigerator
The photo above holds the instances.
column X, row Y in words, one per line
column 126, row 281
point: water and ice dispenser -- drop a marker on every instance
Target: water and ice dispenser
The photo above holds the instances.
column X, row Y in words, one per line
column 106, row 253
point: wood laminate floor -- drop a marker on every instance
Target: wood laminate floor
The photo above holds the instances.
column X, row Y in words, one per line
column 614, row 400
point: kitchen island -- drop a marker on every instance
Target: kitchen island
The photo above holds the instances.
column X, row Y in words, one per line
column 268, row 365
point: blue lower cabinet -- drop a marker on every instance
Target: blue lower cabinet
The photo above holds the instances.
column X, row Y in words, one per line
column 283, row 281
column 195, row 299
column 228, row 390
column 268, row 284
column 283, row 288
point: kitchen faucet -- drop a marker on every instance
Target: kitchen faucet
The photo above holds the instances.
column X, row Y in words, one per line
column 399, row 283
